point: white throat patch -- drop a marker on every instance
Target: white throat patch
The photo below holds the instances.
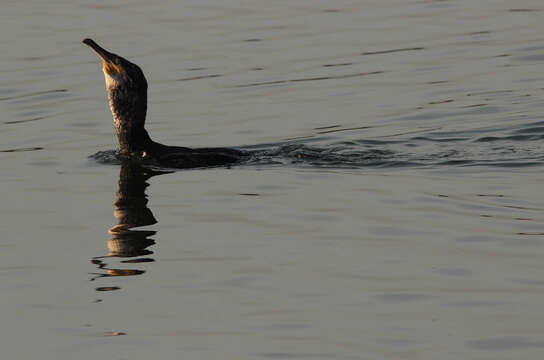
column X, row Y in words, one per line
column 111, row 81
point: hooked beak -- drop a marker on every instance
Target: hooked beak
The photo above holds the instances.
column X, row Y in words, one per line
column 105, row 55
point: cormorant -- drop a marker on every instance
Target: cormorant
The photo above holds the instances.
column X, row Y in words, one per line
column 127, row 94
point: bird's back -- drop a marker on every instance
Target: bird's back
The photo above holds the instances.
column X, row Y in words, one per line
column 181, row 157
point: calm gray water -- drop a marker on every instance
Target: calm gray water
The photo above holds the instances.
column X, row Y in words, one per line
column 394, row 208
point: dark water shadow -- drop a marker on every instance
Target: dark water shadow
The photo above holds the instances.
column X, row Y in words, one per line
column 127, row 244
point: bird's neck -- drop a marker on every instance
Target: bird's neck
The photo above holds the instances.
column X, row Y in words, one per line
column 129, row 114
column 133, row 142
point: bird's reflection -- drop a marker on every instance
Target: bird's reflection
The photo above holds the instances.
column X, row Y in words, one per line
column 131, row 211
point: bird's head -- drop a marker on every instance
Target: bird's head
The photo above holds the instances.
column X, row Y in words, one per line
column 118, row 71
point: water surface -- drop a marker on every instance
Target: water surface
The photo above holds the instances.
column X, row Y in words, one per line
column 393, row 210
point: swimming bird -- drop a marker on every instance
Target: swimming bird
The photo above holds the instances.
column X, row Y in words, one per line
column 127, row 93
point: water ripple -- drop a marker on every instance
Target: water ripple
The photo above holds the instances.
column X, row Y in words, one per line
column 24, row 149
column 46, row 93
column 392, row 51
column 513, row 147
column 317, row 78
